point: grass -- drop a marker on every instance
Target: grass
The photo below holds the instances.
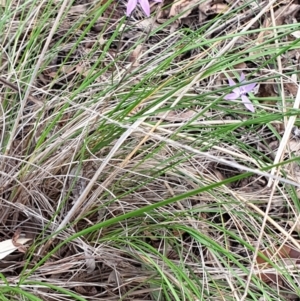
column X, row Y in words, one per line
column 122, row 161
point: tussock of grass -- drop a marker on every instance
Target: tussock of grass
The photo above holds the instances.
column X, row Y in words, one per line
column 122, row 161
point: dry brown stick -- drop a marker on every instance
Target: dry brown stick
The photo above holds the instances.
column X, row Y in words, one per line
column 15, row 88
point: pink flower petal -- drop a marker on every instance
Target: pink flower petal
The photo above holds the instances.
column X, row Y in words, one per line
column 131, row 5
column 248, row 104
column 231, row 96
column 242, row 78
column 231, row 82
column 237, row 91
column 248, row 88
column 145, row 6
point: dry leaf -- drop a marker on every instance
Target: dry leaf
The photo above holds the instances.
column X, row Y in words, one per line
column 182, row 8
column 135, row 56
column 292, row 88
column 114, row 278
column 8, row 246
column 16, row 237
column 15, row 242
column 85, row 71
column 284, row 254
column 209, row 8
column 294, row 225
column 78, row 9
column 219, row 8
column 285, row 12
column 293, row 146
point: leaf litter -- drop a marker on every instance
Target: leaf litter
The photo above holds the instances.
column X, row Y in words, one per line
column 45, row 171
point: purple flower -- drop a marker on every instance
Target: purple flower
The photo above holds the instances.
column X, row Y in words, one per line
column 240, row 92
column 131, row 5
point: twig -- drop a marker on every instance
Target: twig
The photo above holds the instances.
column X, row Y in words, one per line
column 15, row 88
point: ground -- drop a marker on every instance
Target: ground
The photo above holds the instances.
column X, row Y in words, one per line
column 149, row 158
